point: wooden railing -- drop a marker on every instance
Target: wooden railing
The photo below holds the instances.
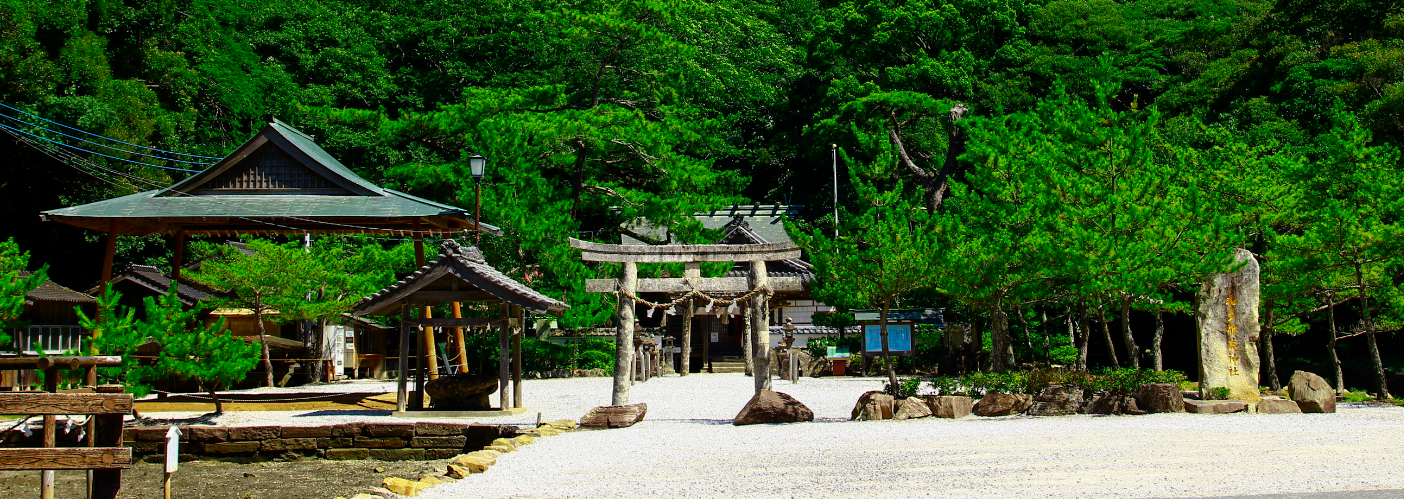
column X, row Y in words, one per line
column 104, row 456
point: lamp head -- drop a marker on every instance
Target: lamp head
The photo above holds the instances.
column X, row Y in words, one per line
column 477, row 165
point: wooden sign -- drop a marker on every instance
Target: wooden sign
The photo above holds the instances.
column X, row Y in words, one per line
column 172, row 449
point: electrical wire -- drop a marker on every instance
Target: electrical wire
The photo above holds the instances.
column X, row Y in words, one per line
column 104, row 137
column 118, row 149
column 2, row 125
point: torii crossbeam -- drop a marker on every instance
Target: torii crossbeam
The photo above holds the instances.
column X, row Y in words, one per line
column 691, row 254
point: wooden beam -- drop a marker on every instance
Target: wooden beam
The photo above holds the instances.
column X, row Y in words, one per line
column 76, row 362
column 65, row 403
column 684, row 253
column 437, row 297
column 446, row 322
column 70, row 458
column 679, row 285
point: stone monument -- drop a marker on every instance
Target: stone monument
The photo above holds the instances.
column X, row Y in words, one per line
column 1227, row 319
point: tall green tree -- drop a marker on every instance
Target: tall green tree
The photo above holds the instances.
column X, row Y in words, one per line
column 14, row 286
column 208, row 354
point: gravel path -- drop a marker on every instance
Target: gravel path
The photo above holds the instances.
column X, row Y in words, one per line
column 687, row 448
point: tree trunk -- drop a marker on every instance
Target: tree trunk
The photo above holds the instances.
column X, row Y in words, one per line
column 1047, row 339
column 1000, row 342
column 1335, row 357
column 887, row 354
column 1155, row 343
column 1132, row 350
column 1083, row 338
column 1269, row 358
column 1106, row 334
column 1370, row 335
column 746, row 341
column 219, row 404
column 1028, row 335
column 263, row 338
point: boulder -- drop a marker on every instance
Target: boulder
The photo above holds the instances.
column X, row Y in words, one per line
column 614, row 416
column 1278, row 406
column 461, row 392
column 1002, row 404
column 1227, row 316
column 911, row 408
column 873, row 405
column 1311, row 392
column 949, row 407
column 1057, row 400
column 773, row 407
column 472, row 464
column 1215, row 406
column 402, row 486
column 1114, row 404
column 1160, row 397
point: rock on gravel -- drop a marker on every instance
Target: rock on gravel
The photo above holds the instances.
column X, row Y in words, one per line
column 1002, row 404
column 1278, row 406
column 949, row 406
column 1311, row 392
column 1215, row 406
column 773, row 407
column 1160, row 397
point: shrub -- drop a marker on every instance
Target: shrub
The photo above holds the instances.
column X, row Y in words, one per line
column 905, row 388
column 1124, row 381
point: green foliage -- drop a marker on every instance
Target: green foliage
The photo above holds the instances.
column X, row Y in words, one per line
column 904, row 388
column 13, row 287
column 1217, row 393
column 1123, row 381
column 539, row 355
column 819, row 347
column 208, row 354
column 115, row 331
column 1127, row 381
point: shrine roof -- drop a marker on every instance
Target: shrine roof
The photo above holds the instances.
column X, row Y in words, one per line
column 457, row 267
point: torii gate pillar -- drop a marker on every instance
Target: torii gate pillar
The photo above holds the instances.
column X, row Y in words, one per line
column 624, row 334
column 760, row 326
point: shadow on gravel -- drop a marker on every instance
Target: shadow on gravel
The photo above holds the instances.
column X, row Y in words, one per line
column 347, row 412
column 727, row 422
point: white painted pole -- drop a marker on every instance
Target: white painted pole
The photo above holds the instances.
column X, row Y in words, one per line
column 833, row 150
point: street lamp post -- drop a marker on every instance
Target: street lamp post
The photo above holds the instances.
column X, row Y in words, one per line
column 477, row 166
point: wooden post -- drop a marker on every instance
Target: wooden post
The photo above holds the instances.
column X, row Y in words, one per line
column 417, row 398
column 624, row 334
column 760, row 325
column 401, row 395
column 706, row 349
column 90, row 380
column 428, row 358
column 108, row 251
column 458, row 338
column 520, row 315
column 747, row 354
column 178, row 259
column 794, row 365
column 430, row 347
column 107, row 432
column 504, row 360
column 691, row 271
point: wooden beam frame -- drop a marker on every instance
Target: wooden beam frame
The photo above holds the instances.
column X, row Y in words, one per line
column 685, row 253
column 43, row 404
column 449, row 322
column 67, row 458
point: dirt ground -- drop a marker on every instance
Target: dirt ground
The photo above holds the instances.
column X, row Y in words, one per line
column 303, row 479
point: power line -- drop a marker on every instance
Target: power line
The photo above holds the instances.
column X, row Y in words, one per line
column 105, row 145
column 93, row 152
column 104, row 137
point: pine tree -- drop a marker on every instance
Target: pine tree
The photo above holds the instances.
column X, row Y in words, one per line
column 13, row 288
column 208, row 354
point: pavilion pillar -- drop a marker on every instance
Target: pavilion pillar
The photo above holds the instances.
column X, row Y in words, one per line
column 417, row 397
column 760, row 325
column 624, row 334
column 504, row 360
column 178, row 259
column 520, row 316
column 691, row 272
column 458, row 338
column 108, row 251
column 429, row 358
column 401, row 397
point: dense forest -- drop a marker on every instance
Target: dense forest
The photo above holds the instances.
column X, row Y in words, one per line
column 1042, row 163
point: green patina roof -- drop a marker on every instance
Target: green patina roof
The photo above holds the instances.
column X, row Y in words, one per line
column 358, row 204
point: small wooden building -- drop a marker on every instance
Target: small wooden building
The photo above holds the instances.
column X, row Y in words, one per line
column 51, row 328
column 458, row 275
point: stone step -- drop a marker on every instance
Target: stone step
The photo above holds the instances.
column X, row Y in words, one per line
column 728, row 367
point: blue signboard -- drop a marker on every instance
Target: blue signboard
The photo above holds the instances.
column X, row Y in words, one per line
column 899, row 338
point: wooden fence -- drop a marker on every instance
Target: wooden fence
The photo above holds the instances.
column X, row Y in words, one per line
column 104, row 456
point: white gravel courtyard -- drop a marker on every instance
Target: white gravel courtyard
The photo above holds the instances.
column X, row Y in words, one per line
column 686, row 447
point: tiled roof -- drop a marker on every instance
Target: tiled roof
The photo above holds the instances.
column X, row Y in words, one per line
column 150, row 278
column 807, row 329
column 468, row 265
column 740, row 231
column 51, row 291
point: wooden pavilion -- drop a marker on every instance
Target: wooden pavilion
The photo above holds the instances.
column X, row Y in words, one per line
column 460, row 275
column 280, row 182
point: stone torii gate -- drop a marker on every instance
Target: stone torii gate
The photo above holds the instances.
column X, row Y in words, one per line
column 757, row 287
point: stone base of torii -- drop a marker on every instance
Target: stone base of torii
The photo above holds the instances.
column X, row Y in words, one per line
column 757, row 287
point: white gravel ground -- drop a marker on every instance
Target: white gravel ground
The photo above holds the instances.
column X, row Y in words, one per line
column 686, row 447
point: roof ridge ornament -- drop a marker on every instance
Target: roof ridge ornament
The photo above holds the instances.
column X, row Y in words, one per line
column 452, row 248
column 738, row 221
